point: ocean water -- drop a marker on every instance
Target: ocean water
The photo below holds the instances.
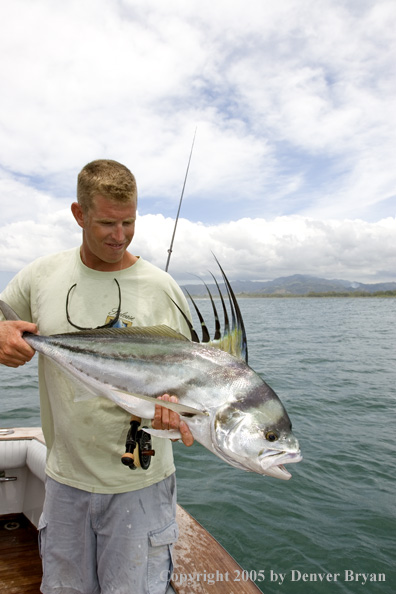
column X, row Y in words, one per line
column 332, row 527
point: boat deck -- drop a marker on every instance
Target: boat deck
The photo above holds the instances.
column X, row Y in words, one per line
column 20, row 564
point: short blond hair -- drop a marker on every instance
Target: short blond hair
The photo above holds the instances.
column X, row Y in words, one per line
column 107, row 178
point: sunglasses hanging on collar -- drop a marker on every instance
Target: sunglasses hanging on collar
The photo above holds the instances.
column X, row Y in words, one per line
column 108, row 325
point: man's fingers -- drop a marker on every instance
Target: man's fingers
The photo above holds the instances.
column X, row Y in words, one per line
column 164, row 418
column 157, row 421
column 186, row 435
column 14, row 350
column 162, row 414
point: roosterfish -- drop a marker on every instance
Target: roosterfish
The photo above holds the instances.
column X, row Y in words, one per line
column 228, row 407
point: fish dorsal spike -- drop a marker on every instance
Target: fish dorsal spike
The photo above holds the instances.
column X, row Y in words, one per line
column 194, row 335
column 225, row 313
column 217, row 335
column 233, row 338
column 161, row 331
column 205, row 333
column 239, row 330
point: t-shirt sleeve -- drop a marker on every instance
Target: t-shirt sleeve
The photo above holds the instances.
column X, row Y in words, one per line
column 17, row 295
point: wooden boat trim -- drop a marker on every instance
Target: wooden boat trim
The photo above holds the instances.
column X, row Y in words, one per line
column 16, row 433
column 201, row 564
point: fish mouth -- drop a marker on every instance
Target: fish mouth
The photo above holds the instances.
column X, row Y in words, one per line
column 272, row 463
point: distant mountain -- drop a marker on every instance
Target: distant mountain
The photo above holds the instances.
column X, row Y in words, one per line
column 297, row 284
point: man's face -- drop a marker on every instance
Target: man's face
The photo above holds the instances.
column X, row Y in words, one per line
column 108, row 229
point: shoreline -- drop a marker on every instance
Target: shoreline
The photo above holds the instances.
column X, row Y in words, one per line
column 310, row 295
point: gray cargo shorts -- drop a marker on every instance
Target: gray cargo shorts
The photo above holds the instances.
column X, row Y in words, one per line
column 100, row 544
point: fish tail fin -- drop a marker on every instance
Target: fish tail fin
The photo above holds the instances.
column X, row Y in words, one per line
column 8, row 312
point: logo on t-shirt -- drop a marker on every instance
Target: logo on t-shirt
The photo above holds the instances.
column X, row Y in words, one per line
column 124, row 320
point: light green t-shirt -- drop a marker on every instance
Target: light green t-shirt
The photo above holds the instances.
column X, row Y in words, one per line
column 85, row 439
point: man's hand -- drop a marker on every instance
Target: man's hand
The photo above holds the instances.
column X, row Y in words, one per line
column 164, row 418
column 14, row 350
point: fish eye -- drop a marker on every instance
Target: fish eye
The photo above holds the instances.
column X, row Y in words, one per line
column 271, row 436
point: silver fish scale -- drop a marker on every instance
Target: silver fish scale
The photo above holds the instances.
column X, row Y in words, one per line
column 153, row 367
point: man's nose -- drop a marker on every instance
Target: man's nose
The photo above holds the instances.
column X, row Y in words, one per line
column 118, row 233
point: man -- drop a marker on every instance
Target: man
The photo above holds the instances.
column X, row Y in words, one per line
column 104, row 528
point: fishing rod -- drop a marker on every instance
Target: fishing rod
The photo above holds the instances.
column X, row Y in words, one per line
column 180, row 203
column 137, row 439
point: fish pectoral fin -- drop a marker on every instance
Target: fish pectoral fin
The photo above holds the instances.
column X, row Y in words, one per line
column 164, row 433
column 182, row 409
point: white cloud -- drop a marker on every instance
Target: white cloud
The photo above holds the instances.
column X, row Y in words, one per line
column 296, row 127
column 132, row 79
column 255, row 249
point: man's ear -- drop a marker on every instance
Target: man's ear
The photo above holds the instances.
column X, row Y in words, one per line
column 78, row 213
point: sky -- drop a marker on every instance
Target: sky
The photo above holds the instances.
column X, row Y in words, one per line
column 292, row 103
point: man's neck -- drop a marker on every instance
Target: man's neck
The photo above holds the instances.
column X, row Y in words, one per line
column 91, row 261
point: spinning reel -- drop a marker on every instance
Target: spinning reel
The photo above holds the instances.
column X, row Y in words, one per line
column 138, row 448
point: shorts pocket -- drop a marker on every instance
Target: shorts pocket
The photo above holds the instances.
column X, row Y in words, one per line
column 160, row 564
